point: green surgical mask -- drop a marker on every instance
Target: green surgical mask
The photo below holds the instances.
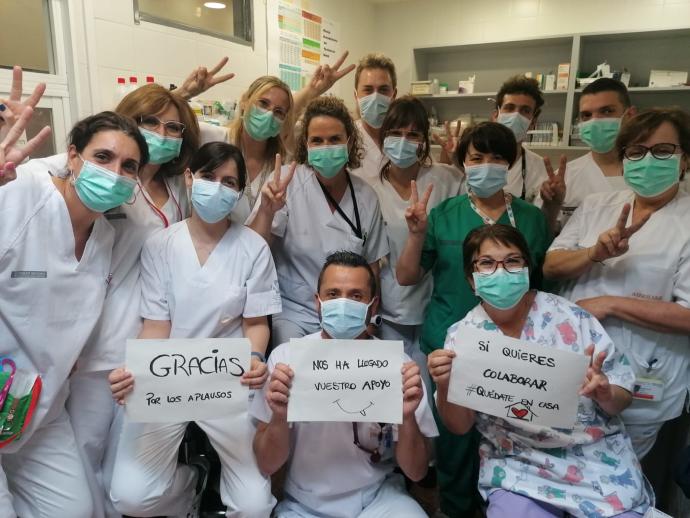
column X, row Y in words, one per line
column 261, row 124
column 161, row 149
column 100, row 190
column 651, row 176
column 600, row 134
column 328, row 160
column 501, row 289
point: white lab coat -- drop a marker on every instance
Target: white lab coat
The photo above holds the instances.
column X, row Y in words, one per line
column 535, row 175
column 372, row 158
column 305, row 231
column 656, row 267
column 327, row 473
column 51, row 301
column 237, row 281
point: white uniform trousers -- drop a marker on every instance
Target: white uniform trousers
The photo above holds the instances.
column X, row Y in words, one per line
column 643, row 436
column 409, row 334
column 148, row 481
column 45, row 478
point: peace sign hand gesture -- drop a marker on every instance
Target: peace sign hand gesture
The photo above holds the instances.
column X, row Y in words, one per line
column 614, row 242
column 415, row 214
column 12, row 109
column 596, row 385
column 449, row 144
column 10, row 155
column 274, row 192
column 201, row 79
column 325, row 76
column 552, row 191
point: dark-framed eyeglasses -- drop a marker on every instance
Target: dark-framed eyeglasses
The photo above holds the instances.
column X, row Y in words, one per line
column 662, row 151
column 152, row 123
column 375, row 454
column 511, row 264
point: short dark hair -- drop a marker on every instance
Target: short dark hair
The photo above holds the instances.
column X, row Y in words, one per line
column 521, row 85
column 351, row 260
column 608, row 84
column 488, row 137
column 406, row 111
column 212, row 155
column 641, row 126
column 84, row 130
column 503, row 234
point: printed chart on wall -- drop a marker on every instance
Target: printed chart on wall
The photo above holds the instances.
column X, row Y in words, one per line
column 303, row 40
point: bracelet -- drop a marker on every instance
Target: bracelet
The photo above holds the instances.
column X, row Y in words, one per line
column 259, row 355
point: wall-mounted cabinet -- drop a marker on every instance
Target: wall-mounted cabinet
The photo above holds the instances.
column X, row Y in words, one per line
column 493, row 63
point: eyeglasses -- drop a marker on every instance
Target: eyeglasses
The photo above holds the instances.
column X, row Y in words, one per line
column 278, row 111
column 375, row 454
column 511, row 264
column 414, row 136
column 152, row 123
column 662, row 151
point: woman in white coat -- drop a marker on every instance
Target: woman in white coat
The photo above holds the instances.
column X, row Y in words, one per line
column 325, row 209
column 55, row 255
column 204, row 277
column 626, row 259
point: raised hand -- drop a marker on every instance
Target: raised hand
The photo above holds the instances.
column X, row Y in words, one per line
column 121, row 384
column 257, row 376
column 615, row 241
column 448, row 144
column 325, row 76
column 596, row 385
column 412, row 388
column 552, row 190
column 415, row 214
column 10, row 155
column 439, row 363
column 278, row 392
column 201, row 79
column 274, row 192
column 12, row 108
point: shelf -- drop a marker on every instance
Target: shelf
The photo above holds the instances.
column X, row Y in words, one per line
column 540, row 147
column 481, row 94
column 651, row 89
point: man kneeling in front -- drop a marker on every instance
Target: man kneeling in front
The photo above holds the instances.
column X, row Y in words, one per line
column 341, row 469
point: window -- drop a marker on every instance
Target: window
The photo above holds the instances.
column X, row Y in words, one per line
column 22, row 17
column 226, row 19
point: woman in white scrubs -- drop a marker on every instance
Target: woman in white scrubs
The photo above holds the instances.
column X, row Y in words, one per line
column 55, row 262
column 407, row 171
column 204, row 277
column 626, row 258
column 325, row 209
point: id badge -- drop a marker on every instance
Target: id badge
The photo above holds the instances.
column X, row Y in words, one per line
column 648, row 389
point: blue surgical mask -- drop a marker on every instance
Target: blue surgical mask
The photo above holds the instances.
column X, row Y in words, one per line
column 402, row 152
column 328, row 160
column 213, row 201
column 161, row 149
column 261, row 124
column 486, row 179
column 501, row 289
column 600, row 134
column 100, row 190
column 344, row 318
column 373, row 108
column 517, row 123
column 651, row 176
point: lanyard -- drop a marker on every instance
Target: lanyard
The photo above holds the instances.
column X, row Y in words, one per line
column 375, row 454
column 248, row 189
column 356, row 229
column 486, row 219
column 524, row 176
column 155, row 209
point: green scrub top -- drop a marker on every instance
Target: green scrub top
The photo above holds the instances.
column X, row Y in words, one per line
column 448, row 225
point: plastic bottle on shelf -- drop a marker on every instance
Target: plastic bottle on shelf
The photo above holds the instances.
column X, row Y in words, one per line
column 150, row 80
column 198, row 109
column 435, row 87
column 132, row 84
column 120, row 90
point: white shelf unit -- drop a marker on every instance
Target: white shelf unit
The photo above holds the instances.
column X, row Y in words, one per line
column 493, row 63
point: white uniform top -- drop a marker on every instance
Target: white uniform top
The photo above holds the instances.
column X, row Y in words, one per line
column 307, row 231
column 405, row 304
column 324, row 463
column 657, row 267
column 535, row 175
column 372, row 159
column 50, row 301
column 133, row 223
column 237, row 280
column 211, row 133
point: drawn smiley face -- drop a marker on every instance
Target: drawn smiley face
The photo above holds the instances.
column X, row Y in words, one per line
column 348, row 409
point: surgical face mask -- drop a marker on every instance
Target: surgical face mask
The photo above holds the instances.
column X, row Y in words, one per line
column 486, row 179
column 373, row 108
column 600, row 134
column 650, row 176
column 501, row 289
column 213, row 201
column 517, row 123
column 402, row 152
column 261, row 124
column 161, row 149
column 99, row 189
column 328, row 160
column 344, row 318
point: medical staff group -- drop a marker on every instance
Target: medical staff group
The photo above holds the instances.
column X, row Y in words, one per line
column 297, row 220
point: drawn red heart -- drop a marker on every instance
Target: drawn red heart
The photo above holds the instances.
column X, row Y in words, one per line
column 519, row 412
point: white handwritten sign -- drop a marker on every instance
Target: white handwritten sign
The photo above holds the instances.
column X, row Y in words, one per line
column 515, row 379
column 346, row 380
column 187, row 379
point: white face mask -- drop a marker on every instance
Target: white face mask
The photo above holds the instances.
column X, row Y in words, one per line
column 373, row 108
column 517, row 123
